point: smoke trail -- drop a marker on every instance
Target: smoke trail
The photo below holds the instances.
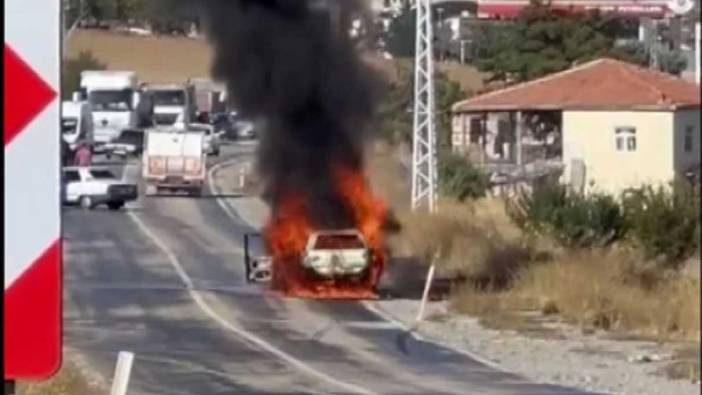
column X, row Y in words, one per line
column 286, row 63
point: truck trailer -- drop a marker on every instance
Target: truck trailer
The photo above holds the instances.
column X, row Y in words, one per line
column 174, row 161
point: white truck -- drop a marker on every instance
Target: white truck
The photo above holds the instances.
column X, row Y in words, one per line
column 174, row 161
column 210, row 97
column 77, row 124
column 117, row 102
column 172, row 102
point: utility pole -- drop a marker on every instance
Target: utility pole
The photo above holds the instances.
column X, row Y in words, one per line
column 424, row 171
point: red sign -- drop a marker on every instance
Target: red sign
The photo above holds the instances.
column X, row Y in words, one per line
column 32, row 256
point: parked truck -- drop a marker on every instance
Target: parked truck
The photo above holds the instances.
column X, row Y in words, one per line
column 174, row 161
column 210, row 98
column 117, row 102
column 173, row 102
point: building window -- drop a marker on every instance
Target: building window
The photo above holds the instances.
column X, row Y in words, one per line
column 625, row 138
column 689, row 139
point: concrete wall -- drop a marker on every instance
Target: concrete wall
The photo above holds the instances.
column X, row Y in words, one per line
column 684, row 120
column 590, row 136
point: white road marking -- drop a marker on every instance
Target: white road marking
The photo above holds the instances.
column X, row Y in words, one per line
column 371, row 306
column 242, row 333
column 215, row 191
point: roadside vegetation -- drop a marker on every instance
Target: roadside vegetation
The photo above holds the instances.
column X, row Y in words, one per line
column 606, row 263
column 603, row 263
column 70, row 380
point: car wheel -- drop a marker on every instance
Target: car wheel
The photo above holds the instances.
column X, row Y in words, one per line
column 196, row 192
column 86, row 202
column 114, row 206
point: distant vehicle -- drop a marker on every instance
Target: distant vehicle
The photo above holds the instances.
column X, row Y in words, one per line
column 336, row 253
column 129, row 142
column 210, row 97
column 225, row 124
column 245, row 130
column 174, row 160
column 93, row 186
column 76, row 124
column 213, row 140
column 171, row 102
column 117, row 103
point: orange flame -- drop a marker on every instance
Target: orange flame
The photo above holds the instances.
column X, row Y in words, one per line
column 287, row 233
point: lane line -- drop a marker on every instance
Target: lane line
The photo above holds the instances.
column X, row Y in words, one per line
column 214, row 190
column 240, row 332
column 370, row 306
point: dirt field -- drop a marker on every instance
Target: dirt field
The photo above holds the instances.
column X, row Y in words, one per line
column 156, row 60
column 168, row 59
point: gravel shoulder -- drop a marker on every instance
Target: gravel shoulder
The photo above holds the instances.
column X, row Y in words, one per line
column 570, row 358
column 588, row 362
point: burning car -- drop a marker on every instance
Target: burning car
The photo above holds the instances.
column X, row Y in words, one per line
column 336, row 253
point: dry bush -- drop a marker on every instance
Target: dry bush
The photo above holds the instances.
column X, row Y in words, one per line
column 70, row 380
column 464, row 245
column 603, row 290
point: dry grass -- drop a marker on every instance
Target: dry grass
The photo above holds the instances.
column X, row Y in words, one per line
column 504, row 275
column 175, row 59
column 155, row 60
column 70, row 380
column 599, row 290
column 468, row 77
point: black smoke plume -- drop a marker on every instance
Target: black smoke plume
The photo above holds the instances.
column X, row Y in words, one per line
column 290, row 65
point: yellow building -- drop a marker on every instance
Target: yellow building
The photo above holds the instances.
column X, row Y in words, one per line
column 618, row 125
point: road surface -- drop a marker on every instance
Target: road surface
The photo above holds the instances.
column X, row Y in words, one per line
column 164, row 279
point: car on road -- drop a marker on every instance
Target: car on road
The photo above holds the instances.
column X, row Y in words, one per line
column 213, row 142
column 225, row 124
column 337, row 253
column 245, row 130
column 92, row 186
column 129, row 143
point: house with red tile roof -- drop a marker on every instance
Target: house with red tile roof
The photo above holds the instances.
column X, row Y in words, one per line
column 614, row 125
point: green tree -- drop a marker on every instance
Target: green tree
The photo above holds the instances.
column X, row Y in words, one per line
column 459, row 179
column 447, row 93
column 395, row 113
column 543, row 41
column 400, row 38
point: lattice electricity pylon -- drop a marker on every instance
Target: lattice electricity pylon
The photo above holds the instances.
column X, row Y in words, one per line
column 424, row 144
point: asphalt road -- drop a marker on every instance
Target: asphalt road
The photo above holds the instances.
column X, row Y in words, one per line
column 164, row 279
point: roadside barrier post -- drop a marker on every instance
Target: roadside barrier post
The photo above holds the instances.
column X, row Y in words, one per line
column 122, row 373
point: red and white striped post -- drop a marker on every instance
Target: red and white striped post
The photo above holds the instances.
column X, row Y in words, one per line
column 32, row 260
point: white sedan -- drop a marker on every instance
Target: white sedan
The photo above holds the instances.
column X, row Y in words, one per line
column 93, row 186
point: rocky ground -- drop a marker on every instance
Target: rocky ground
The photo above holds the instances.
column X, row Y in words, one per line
column 560, row 354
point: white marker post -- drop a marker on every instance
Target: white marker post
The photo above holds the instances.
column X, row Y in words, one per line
column 242, row 178
column 425, row 294
column 122, row 373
